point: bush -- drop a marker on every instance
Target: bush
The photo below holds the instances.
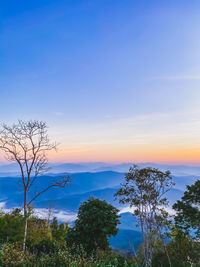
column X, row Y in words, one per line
column 12, row 255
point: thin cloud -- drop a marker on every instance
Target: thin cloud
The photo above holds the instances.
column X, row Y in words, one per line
column 61, row 215
column 132, row 209
column 58, row 113
column 42, row 213
column 178, row 78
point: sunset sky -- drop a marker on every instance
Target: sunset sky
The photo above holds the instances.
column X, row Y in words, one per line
column 115, row 80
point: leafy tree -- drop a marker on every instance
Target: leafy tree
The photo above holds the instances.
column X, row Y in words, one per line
column 188, row 209
column 12, row 226
column 46, row 238
column 38, row 230
column 183, row 251
column 144, row 189
column 59, row 231
column 97, row 221
column 43, row 237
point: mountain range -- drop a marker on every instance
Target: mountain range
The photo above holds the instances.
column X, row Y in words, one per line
column 178, row 170
column 90, row 180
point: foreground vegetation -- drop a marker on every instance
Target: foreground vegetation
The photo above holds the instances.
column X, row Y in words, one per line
column 50, row 243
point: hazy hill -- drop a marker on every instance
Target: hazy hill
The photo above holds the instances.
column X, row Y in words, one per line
column 100, row 185
column 84, row 185
column 126, row 240
column 177, row 170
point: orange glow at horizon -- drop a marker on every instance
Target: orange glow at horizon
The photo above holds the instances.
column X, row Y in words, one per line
column 116, row 154
column 189, row 155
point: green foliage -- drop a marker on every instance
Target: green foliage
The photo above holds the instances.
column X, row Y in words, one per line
column 50, row 243
column 46, row 241
column 144, row 189
column 46, row 238
column 108, row 258
column 38, row 230
column 182, row 249
column 59, row 231
column 97, row 221
column 12, row 255
column 188, row 209
column 12, row 226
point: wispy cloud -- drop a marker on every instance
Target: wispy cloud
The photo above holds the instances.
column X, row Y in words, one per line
column 58, row 113
column 2, row 204
column 162, row 137
column 178, row 77
column 132, row 209
column 61, row 215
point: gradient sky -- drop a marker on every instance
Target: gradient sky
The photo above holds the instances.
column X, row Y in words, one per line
column 115, row 80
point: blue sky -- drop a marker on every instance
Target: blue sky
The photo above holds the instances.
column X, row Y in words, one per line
column 109, row 77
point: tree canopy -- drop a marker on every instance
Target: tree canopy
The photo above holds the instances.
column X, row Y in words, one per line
column 145, row 189
column 97, row 221
column 188, row 209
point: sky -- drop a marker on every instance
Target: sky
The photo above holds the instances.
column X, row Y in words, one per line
column 115, row 80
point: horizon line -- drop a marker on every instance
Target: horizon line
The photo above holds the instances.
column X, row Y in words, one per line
column 114, row 163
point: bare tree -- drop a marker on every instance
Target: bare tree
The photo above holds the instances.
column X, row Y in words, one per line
column 27, row 143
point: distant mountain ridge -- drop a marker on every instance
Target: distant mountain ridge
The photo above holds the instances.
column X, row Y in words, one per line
column 83, row 186
column 178, row 170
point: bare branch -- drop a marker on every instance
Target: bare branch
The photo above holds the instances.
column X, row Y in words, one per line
column 27, row 143
column 65, row 180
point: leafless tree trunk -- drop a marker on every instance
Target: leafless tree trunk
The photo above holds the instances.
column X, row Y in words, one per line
column 26, row 143
column 25, row 227
column 50, row 214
